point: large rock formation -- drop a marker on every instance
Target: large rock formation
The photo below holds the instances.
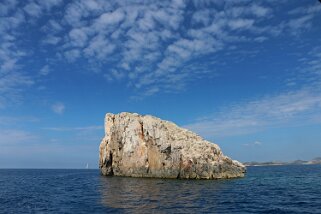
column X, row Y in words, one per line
column 146, row 146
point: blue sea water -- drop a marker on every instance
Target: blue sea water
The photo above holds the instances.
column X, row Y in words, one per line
column 273, row 189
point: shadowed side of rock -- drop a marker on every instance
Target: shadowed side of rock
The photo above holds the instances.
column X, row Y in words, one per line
column 146, row 146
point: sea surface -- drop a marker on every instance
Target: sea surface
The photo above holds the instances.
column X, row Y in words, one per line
column 268, row 189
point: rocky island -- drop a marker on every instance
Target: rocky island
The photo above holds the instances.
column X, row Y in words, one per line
column 145, row 146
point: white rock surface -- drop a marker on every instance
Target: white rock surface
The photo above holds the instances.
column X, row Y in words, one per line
column 146, row 146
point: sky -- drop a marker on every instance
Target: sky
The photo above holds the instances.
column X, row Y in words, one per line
column 243, row 74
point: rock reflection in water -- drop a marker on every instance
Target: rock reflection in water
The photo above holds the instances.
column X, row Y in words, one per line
column 162, row 195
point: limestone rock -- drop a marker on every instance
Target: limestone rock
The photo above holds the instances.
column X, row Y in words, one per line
column 146, row 146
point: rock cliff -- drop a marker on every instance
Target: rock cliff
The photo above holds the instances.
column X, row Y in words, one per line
column 146, row 146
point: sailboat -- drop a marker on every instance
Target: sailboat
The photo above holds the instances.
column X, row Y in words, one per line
column 87, row 166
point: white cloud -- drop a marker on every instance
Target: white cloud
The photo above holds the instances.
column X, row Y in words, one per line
column 240, row 23
column 260, row 11
column 309, row 70
column 108, row 19
column 53, row 27
column 58, row 108
column 33, row 9
column 306, row 9
column 45, row 70
column 48, row 4
column 148, row 44
column 8, row 64
column 52, row 40
column 8, row 121
column 12, row 80
column 300, row 23
column 287, row 109
column 72, row 55
column 164, row 36
column 260, row 39
column 11, row 86
column 78, row 37
column 114, row 74
column 202, row 17
column 254, row 144
column 9, row 53
column 65, row 129
column 6, row 6
column 257, row 143
column 99, row 47
column 78, row 9
column 12, row 136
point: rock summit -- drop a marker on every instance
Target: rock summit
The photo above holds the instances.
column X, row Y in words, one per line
column 145, row 146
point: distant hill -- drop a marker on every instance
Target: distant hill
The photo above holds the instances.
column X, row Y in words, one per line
column 277, row 163
column 317, row 159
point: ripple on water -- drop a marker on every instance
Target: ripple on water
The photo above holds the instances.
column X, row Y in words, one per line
column 277, row 189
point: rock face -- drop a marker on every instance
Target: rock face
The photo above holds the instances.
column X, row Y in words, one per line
column 146, row 146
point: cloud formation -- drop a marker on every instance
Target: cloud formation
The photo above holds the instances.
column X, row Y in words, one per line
column 45, row 70
column 67, row 129
column 11, row 137
column 294, row 108
column 149, row 43
column 11, row 80
column 253, row 144
column 151, row 46
column 58, row 108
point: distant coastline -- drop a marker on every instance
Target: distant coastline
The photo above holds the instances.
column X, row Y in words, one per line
column 278, row 163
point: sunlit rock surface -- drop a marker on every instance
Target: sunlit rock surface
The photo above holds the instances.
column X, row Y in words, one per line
column 146, row 146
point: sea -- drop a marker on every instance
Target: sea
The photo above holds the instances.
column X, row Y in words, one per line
column 264, row 189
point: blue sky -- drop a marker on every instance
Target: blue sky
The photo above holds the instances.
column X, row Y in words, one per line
column 243, row 74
